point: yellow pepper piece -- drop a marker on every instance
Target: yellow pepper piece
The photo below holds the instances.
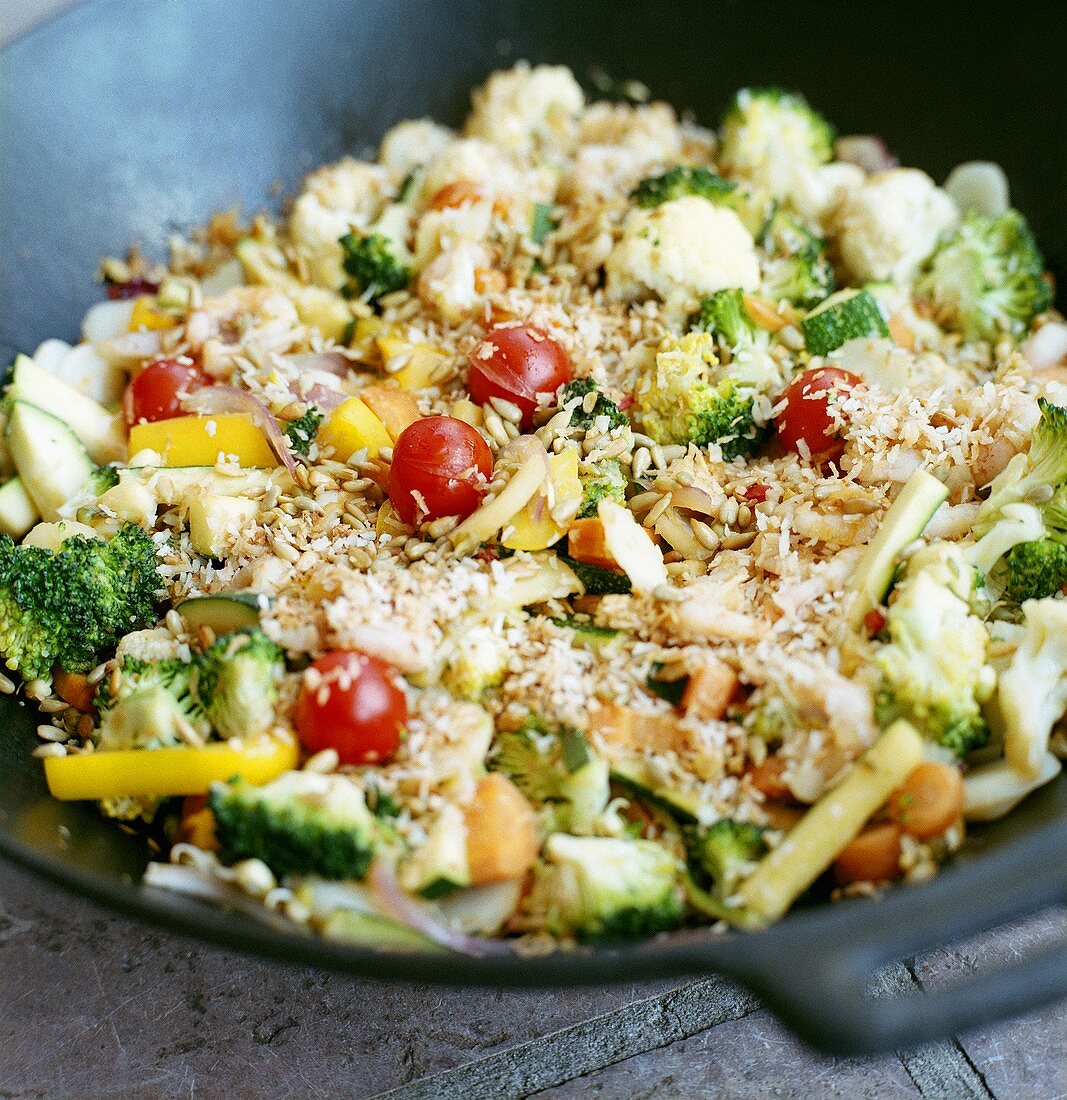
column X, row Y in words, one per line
column 534, row 528
column 199, row 440
column 417, row 372
column 161, row 773
column 351, row 427
column 146, row 316
column 396, row 409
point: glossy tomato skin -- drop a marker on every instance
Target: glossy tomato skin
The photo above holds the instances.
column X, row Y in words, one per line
column 517, row 362
column 156, row 393
column 444, row 461
column 354, row 705
column 807, row 416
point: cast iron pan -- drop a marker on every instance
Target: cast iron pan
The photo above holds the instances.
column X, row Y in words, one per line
column 127, row 118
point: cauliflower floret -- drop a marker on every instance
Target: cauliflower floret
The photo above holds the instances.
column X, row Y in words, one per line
column 335, row 200
column 476, row 162
column 890, row 224
column 524, row 108
column 817, row 192
column 156, row 644
column 651, row 131
column 880, row 362
column 411, row 143
column 440, row 230
column 449, row 282
column 682, row 250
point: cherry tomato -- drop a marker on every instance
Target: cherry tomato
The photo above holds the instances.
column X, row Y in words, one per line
column 517, row 363
column 156, row 393
column 807, row 416
column 352, row 704
column 440, row 468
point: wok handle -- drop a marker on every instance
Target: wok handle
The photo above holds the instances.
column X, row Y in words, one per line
column 823, row 991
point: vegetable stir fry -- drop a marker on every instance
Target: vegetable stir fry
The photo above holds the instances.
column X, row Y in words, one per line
column 573, row 528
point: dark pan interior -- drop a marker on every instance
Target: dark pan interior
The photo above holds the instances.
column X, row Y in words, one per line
column 127, row 119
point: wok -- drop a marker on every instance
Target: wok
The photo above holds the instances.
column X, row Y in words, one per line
column 126, row 119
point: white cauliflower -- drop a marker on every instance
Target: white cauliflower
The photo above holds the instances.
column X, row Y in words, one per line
column 475, row 162
column 336, row 199
column 816, row 192
column 680, row 251
column 650, row 131
column 449, row 283
column 880, row 362
column 891, row 223
column 440, row 230
column 411, row 143
column 524, row 108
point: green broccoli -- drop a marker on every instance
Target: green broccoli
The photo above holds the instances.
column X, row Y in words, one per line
column 373, row 266
column 596, row 580
column 725, row 317
column 1009, row 519
column 102, row 479
column 987, row 278
column 606, row 481
column 796, row 268
column 687, row 397
column 1036, row 570
column 933, row 667
column 237, row 682
column 554, row 767
column 302, row 431
column 606, row 888
column 724, row 852
column 582, row 417
column 149, row 705
column 302, row 823
column 67, row 608
column 681, row 180
column 765, row 127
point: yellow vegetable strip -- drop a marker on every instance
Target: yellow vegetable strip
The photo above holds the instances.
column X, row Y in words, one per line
column 199, row 440
column 152, row 773
column 832, row 823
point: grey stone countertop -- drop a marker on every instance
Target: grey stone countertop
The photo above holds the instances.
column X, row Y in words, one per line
column 95, row 1005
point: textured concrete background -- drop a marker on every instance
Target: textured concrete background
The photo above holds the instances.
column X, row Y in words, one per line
column 93, row 1005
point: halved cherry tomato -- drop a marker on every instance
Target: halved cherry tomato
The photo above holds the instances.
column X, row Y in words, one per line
column 156, row 393
column 517, row 362
column 807, row 415
column 440, row 468
column 353, row 704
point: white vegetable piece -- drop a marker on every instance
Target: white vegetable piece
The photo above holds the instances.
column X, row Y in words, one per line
column 637, row 555
column 523, row 107
column 993, row 790
column 1032, row 692
column 216, row 521
column 979, row 185
column 106, row 320
column 83, row 368
column 51, row 536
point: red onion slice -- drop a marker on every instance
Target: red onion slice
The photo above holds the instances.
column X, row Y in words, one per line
column 221, row 400
column 326, row 399
column 329, row 362
column 866, row 151
column 401, row 907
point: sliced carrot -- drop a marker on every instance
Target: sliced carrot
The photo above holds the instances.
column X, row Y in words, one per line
column 874, row 856
column 767, row 779
column 455, row 194
column 586, row 543
column 929, row 801
column 502, row 841
column 75, row 689
column 710, row 691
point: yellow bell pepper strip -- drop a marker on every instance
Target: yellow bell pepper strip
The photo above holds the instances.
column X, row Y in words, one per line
column 396, row 409
column 351, row 427
column 145, row 317
column 417, row 373
column 199, row 440
column 162, row 773
column 534, row 527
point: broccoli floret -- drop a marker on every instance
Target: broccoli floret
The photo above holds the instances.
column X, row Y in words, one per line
column 238, row 682
column 478, row 660
column 373, row 267
column 679, row 181
column 688, row 397
column 934, row 670
column 724, row 852
column 301, row 823
column 766, row 126
column 555, row 768
column 582, row 417
column 606, row 481
column 1036, row 570
column 796, row 267
column 606, row 888
column 1007, row 519
column 987, row 278
column 68, row 607
column 596, row 580
column 102, row 479
column 149, row 705
column 301, row 432
column 725, row 317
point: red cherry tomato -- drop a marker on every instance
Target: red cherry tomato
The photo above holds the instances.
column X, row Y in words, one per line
column 156, row 393
column 440, row 468
column 517, row 363
column 353, row 704
column 807, row 416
